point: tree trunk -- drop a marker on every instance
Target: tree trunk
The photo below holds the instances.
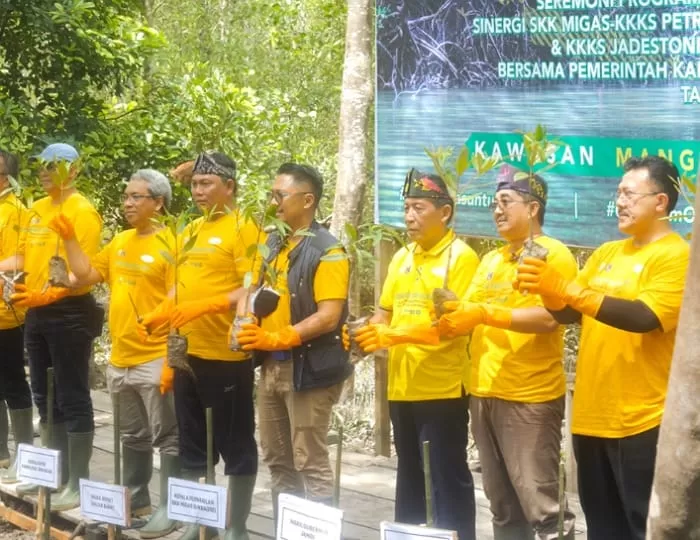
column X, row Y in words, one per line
column 675, row 498
column 353, row 152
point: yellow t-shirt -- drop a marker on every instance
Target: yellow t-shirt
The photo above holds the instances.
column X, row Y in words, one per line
column 42, row 241
column 139, row 279
column 13, row 234
column 621, row 377
column 330, row 283
column 425, row 372
column 511, row 365
column 216, row 264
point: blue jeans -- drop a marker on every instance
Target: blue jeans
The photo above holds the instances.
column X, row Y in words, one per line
column 60, row 335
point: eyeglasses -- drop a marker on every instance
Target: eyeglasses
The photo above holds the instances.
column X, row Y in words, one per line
column 503, row 204
column 633, row 196
column 136, row 197
column 280, row 196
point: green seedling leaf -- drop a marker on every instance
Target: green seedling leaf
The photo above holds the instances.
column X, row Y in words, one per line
column 264, row 250
column 462, row 162
column 247, row 279
column 167, row 256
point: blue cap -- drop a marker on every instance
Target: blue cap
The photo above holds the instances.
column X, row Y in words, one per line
column 58, row 152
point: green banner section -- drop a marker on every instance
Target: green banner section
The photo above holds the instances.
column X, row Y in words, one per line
column 590, row 156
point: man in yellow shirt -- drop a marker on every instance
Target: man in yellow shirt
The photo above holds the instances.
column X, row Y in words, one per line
column 13, row 382
column 628, row 298
column 427, row 388
column 209, row 287
column 61, row 324
column 517, row 380
column 303, row 360
column 139, row 278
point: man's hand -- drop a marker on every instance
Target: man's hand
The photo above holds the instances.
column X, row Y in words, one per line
column 62, row 227
column 253, row 338
column 30, row 298
column 167, row 376
column 536, row 276
column 189, row 311
column 156, row 322
column 377, row 336
column 346, row 337
column 459, row 322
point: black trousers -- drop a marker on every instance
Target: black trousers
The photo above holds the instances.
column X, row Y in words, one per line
column 614, row 483
column 444, row 423
column 226, row 387
column 60, row 335
column 14, row 388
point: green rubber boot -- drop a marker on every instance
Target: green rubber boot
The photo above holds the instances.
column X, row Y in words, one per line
column 192, row 529
column 159, row 524
column 4, row 434
column 79, row 454
column 24, row 433
column 240, row 498
column 138, row 469
column 59, row 441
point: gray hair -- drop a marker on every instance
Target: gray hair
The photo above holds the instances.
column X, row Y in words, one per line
column 158, row 185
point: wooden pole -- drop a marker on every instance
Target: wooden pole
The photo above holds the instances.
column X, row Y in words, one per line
column 116, row 406
column 210, row 446
column 428, row 484
column 43, row 492
column 382, row 426
column 338, row 462
column 202, row 528
column 113, row 531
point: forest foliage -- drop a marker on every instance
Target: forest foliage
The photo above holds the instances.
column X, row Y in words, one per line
column 149, row 83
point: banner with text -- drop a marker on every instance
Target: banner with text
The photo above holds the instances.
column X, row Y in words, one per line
column 610, row 79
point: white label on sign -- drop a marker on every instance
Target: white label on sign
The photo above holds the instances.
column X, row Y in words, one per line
column 197, row 503
column 40, row 466
column 300, row 519
column 399, row 531
column 105, row 502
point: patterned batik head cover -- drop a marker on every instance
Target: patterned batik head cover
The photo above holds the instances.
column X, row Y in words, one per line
column 206, row 163
column 421, row 185
column 531, row 184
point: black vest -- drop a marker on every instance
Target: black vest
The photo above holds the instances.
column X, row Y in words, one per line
column 322, row 361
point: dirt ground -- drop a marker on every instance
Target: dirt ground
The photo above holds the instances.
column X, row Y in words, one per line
column 10, row 532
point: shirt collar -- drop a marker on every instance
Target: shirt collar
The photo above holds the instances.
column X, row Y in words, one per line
column 438, row 248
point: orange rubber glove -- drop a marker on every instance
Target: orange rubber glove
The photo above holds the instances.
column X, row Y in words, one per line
column 346, row 337
column 540, row 278
column 462, row 318
column 29, row 298
column 167, row 376
column 380, row 336
column 254, row 338
column 189, row 311
column 62, row 227
column 156, row 322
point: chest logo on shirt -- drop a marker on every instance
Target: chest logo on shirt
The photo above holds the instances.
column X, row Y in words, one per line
column 215, row 241
column 406, row 269
column 35, row 220
column 121, row 253
column 440, row 272
column 148, row 259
